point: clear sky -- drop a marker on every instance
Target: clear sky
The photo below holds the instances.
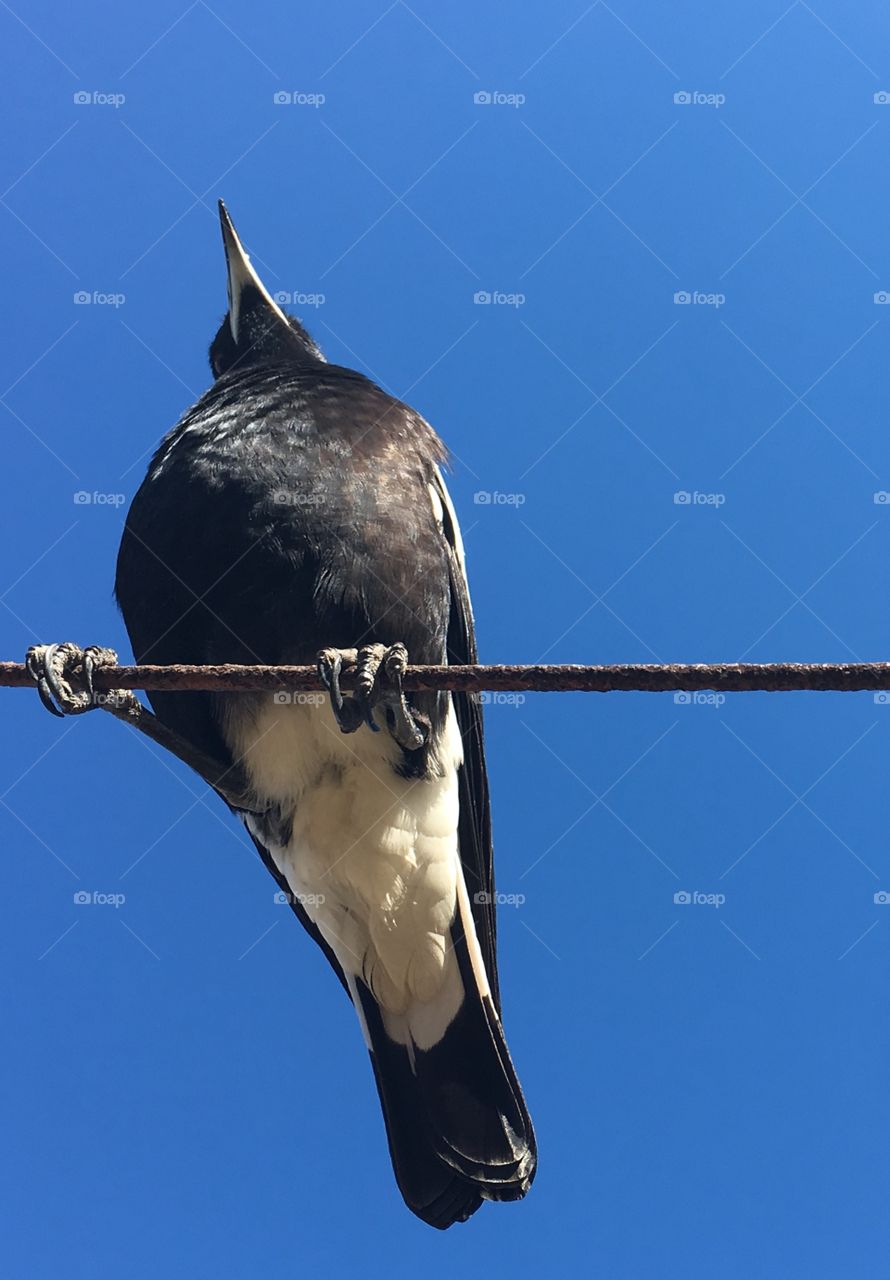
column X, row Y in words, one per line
column 675, row 404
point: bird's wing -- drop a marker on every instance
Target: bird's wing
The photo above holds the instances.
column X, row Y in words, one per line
column 474, row 827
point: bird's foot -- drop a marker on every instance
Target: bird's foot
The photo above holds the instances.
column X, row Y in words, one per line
column 64, row 676
column 378, row 682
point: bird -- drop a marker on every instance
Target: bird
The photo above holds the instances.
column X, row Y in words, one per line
column 298, row 513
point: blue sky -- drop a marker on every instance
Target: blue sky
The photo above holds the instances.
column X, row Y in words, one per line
column 678, row 393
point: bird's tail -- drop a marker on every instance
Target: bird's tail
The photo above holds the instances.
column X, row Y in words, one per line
column 457, row 1124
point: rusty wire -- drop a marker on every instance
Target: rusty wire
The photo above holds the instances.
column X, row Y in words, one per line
column 725, row 677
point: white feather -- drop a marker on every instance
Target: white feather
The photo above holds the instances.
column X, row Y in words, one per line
column 373, row 856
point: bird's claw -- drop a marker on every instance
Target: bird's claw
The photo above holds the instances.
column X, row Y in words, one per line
column 64, row 677
column 347, row 711
column 379, row 670
column 409, row 729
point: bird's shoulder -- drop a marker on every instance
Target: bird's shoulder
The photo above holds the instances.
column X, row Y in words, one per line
column 284, row 411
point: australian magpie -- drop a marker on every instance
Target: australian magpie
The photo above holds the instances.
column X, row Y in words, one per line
column 298, row 512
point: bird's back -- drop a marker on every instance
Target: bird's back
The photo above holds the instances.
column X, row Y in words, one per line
column 279, row 482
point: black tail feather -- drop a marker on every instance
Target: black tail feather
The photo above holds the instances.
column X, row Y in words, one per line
column 456, row 1121
column 429, row 1187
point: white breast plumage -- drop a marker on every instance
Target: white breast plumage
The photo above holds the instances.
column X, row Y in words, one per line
column 373, row 856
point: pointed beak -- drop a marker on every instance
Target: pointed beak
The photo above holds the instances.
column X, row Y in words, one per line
column 241, row 275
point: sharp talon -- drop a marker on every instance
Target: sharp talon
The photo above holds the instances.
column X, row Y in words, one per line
column 347, row 712
column 35, row 660
column 404, row 726
column 367, row 692
column 55, row 666
column 47, row 699
column 60, row 689
column 48, row 687
column 330, row 664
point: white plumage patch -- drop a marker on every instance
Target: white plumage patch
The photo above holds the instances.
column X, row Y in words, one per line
column 373, row 856
column 439, row 491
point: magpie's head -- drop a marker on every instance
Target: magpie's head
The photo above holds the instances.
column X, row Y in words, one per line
column 255, row 330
